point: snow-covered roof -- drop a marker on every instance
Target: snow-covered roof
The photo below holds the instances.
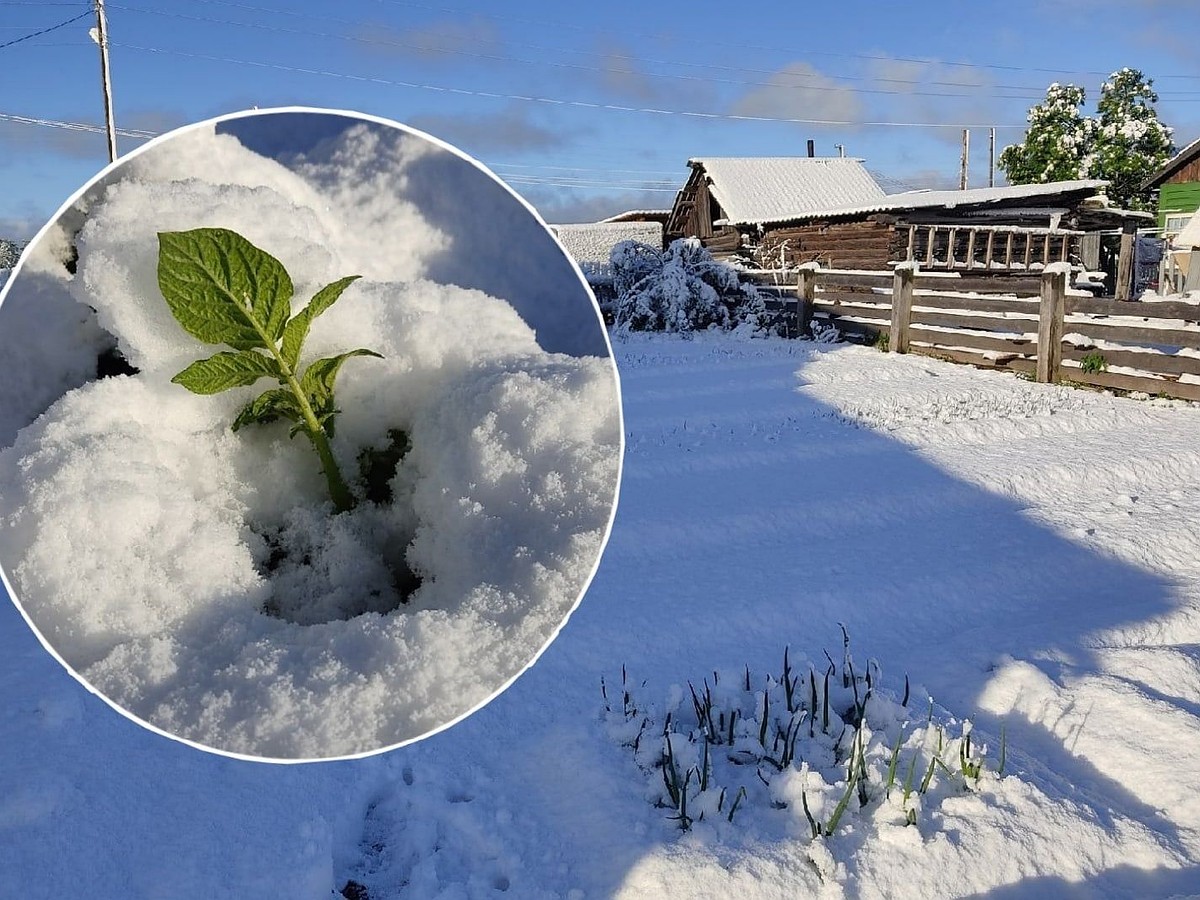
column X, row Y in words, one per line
column 637, row 215
column 949, row 199
column 594, row 242
column 759, row 189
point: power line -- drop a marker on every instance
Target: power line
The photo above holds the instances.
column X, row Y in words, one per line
column 46, row 30
column 75, row 126
column 790, row 50
column 557, row 101
column 1028, row 92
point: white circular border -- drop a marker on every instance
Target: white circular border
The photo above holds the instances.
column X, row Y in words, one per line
column 378, row 120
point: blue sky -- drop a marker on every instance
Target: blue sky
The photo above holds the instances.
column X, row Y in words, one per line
column 580, row 106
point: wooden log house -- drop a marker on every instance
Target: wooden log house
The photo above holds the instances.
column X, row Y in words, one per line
column 773, row 214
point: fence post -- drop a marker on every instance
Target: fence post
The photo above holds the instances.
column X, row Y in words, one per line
column 1050, row 322
column 1125, row 262
column 902, row 296
column 806, row 287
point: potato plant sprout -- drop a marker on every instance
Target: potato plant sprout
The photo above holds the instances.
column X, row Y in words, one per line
column 224, row 290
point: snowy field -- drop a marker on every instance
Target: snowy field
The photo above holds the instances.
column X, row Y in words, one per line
column 1027, row 554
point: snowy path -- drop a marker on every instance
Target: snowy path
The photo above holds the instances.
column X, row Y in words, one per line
column 1029, row 554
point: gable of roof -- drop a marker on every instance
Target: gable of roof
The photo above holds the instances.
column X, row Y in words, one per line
column 1173, row 165
column 750, row 190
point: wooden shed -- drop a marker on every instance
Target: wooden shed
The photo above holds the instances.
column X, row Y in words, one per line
column 1178, row 184
column 726, row 198
column 999, row 229
column 776, row 213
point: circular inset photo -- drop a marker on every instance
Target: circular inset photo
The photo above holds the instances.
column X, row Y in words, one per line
column 312, row 435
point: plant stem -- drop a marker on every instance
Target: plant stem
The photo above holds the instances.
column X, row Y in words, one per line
column 343, row 500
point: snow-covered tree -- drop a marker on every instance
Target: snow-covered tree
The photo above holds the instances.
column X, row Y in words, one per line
column 1057, row 143
column 1123, row 143
column 9, row 252
column 682, row 289
column 1130, row 143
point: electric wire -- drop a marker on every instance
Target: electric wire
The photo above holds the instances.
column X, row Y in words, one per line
column 558, row 101
column 34, row 34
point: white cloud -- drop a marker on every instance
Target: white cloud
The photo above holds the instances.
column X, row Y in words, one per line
column 799, row 91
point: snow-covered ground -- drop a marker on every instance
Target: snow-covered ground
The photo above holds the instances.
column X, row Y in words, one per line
column 1027, row 554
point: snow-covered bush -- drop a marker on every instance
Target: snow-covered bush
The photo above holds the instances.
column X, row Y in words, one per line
column 9, row 253
column 681, row 289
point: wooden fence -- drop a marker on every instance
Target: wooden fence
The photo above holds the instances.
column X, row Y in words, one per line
column 1030, row 325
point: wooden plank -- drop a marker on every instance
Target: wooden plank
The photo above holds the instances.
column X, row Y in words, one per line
column 971, row 248
column 929, row 246
column 852, row 279
column 1028, row 251
column 981, row 284
column 950, row 248
column 1015, row 364
column 1180, row 389
column 972, row 304
column 974, row 341
column 1157, row 363
column 882, row 316
column 854, row 297
column 975, row 323
column 870, row 331
column 1046, row 251
column 1008, row 247
column 1167, row 309
column 991, row 243
column 1145, row 337
column 912, row 241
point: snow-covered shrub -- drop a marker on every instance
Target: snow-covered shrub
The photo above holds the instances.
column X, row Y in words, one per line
column 9, row 253
column 681, row 289
column 822, row 745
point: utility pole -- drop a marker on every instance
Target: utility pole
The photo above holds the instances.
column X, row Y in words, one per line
column 991, row 157
column 966, row 152
column 101, row 37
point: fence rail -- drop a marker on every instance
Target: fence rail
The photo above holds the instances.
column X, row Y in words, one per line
column 1028, row 325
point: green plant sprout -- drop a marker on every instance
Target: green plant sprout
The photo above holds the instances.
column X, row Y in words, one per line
column 224, row 290
column 704, row 760
column 1093, row 363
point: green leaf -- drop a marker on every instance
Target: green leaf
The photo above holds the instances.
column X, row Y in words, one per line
column 296, row 330
column 319, row 377
column 317, row 386
column 267, row 407
column 226, row 370
column 222, row 289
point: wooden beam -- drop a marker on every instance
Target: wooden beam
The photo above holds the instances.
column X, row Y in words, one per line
column 1050, row 325
column 902, row 299
column 806, row 286
column 1125, row 266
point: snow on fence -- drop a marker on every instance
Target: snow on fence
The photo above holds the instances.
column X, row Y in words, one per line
column 1030, row 325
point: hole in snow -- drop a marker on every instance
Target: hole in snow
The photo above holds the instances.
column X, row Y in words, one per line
column 325, row 569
